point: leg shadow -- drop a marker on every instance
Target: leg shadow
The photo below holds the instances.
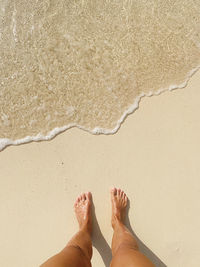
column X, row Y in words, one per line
column 144, row 249
column 99, row 241
column 104, row 250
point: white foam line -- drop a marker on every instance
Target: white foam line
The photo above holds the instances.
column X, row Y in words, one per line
column 97, row 130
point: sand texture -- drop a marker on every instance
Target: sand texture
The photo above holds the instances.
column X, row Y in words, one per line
column 87, row 63
column 154, row 158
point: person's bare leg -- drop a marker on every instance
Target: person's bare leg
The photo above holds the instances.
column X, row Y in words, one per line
column 125, row 250
column 78, row 251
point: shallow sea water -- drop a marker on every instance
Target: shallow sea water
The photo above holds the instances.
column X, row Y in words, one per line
column 87, row 63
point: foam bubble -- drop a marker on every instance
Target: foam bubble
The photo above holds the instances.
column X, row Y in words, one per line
column 88, row 64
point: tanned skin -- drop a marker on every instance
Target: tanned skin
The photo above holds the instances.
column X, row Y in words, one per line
column 78, row 251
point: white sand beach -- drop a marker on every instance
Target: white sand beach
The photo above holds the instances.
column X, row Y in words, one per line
column 154, row 157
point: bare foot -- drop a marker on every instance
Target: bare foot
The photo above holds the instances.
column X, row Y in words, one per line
column 119, row 202
column 82, row 209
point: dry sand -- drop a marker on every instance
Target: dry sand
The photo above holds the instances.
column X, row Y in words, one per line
column 154, row 157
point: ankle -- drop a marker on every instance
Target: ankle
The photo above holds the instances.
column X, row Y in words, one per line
column 117, row 222
column 86, row 228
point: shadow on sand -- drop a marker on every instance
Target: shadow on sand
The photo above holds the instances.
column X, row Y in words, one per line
column 104, row 250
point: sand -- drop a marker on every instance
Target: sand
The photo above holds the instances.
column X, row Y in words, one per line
column 87, row 62
column 154, row 157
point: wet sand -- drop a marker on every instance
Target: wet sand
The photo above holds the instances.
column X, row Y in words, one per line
column 154, row 157
column 86, row 63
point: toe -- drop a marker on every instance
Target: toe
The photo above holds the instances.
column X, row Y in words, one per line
column 112, row 189
column 118, row 192
column 77, row 201
column 113, row 192
column 88, row 196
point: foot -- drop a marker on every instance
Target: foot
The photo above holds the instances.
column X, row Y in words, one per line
column 82, row 209
column 119, row 202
